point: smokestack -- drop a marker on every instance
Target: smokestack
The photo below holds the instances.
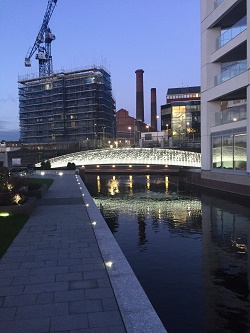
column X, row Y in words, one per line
column 139, row 95
column 153, row 109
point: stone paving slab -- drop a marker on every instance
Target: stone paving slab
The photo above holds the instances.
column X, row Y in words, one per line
column 53, row 277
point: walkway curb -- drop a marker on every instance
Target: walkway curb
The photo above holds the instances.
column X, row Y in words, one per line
column 137, row 311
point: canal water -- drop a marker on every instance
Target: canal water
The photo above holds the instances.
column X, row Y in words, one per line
column 187, row 247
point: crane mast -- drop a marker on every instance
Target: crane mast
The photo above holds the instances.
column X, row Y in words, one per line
column 43, row 44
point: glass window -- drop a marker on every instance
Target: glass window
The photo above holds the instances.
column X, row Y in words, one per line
column 178, row 121
column 216, row 152
column 148, row 136
column 240, row 152
column 227, row 152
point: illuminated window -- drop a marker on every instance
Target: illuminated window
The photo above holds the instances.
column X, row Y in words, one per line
column 48, row 86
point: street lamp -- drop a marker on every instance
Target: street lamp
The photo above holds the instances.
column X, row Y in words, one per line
column 103, row 135
column 147, row 127
column 157, row 117
column 188, row 130
column 129, row 134
column 167, row 132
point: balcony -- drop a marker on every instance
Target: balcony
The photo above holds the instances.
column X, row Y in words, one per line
column 234, row 69
column 229, row 34
column 217, row 3
column 231, row 115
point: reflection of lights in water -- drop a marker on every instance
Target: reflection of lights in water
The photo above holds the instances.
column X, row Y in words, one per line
column 98, row 184
column 166, row 183
column 189, row 211
column 113, row 186
column 131, row 184
column 242, row 247
column 148, row 182
column 146, row 204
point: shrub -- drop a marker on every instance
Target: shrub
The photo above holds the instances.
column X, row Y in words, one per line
column 46, row 165
column 71, row 166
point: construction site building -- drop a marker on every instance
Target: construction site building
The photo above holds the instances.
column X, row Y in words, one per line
column 67, row 108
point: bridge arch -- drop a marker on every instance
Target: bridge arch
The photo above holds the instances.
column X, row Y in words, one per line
column 124, row 156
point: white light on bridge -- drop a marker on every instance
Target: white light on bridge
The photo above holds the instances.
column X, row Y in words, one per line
column 141, row 156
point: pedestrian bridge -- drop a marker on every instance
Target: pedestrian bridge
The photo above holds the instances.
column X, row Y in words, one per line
column 125, row 156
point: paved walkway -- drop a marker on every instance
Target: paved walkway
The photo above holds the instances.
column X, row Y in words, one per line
column 53, row 278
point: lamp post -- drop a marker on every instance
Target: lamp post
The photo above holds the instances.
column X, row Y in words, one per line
column 188, row 130
column 157, row 117
column 147, row 127
column 103, row 135
column 129, row 134
column 167, row 132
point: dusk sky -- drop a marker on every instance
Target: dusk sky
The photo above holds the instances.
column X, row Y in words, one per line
column 162, row 37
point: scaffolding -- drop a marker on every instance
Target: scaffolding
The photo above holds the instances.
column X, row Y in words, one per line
column 67, row 107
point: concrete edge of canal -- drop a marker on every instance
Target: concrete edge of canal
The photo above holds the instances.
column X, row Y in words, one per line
column 138, row 314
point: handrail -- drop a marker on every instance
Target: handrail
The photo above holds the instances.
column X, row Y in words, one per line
column 231, row 115
column 235, row 69
column 232, row 32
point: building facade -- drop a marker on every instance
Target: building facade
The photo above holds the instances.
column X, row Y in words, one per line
column 66, row 108
column 180, row 117
column 129, row 129
column 225, row 87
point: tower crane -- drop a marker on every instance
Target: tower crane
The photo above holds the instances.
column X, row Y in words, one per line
column 45, row 37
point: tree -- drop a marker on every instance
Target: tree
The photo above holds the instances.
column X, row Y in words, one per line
column 46, row 165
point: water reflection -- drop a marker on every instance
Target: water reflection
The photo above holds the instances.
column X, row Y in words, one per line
column 190, row 252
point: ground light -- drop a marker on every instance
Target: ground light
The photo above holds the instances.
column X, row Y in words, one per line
column 4, row 214
column 109, row 264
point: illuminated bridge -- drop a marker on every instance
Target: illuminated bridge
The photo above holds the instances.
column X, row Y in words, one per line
column 126, row 156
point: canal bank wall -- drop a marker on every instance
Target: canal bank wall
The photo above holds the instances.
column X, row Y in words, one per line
column 138, row 313
column 221, row 181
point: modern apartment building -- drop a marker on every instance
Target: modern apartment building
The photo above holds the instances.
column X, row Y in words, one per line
column 180, row 117
column 67, row 107
column 225, row 90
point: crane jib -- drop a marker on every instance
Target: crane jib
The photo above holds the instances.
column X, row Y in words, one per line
column 44, row 36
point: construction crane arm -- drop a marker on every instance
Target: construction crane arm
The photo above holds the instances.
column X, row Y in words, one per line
column 40, row 37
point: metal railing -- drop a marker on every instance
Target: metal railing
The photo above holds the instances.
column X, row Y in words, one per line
column 231, row 115
column 229, row 34
column 235, row 69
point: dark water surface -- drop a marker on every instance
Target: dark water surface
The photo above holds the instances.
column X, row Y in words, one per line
column 189, row 250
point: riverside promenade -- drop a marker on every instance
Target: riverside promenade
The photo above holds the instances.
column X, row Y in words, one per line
column 65, row 272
